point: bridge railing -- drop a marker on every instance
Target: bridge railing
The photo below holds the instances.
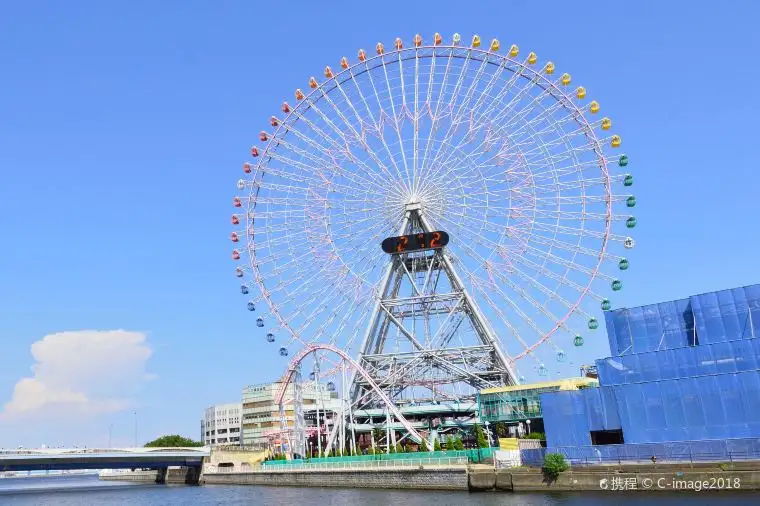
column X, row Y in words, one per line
column 47, row 452
column 344, row 466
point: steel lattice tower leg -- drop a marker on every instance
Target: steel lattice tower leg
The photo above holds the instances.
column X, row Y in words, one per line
column 431, row 360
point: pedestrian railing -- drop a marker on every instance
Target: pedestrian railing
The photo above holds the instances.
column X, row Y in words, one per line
column 473, row 455
column 707, row 451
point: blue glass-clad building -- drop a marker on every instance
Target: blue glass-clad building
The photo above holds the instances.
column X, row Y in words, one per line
column 684, row 371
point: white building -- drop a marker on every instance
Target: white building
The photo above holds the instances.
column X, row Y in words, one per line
column 261, row 415
column 222, row 424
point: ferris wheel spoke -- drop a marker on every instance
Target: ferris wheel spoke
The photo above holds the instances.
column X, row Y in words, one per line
column 575, row 248
column 520, row 115
column 416, row 144
column 328, row 159
column 484, row 293
column 505, row 110
column 540, row 332
column 489, row 268
column 435, row 114
column 541, row 269
column 453, row 125
column 475, row 154
column 320, row 178
column 395, row 118
column 552, row 295
column 495, row 102
column 458, row 117
column 378, row 123
column 569, row 231
column 373, row 155
column 541, row 255
column 359, row 137
column 317, row 303
column 344, row 149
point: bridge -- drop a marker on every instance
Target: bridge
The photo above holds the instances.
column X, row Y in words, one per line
column 191, row 459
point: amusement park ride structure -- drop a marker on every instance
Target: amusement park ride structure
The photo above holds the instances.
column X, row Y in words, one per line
column 421, row 221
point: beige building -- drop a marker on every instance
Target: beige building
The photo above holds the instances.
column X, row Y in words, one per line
column 261, row 415
column 221, row 425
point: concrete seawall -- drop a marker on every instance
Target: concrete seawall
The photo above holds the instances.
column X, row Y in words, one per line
column 632, row 478
column 650, row 481
column 451, row 478
column 517, row 480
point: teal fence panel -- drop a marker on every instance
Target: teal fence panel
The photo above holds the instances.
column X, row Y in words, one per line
column 474, row 455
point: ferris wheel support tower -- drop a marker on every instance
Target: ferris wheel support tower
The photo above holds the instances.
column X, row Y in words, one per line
column 431, row 361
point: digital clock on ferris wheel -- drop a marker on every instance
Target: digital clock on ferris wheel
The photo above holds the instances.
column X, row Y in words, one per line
column 415, row 242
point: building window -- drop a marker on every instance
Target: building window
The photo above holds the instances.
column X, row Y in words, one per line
column 607, row 437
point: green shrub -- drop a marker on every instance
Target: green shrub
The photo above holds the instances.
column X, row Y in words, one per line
column 536, row 435
column 480, row 437
column 424, row 447
column 554, row 463
column 436, row 445
column 458, row 444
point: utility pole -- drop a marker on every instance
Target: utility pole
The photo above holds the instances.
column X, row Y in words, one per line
column 135, row 429
column 110, row 429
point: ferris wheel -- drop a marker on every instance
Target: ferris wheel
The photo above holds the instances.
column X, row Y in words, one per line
column 499, row 153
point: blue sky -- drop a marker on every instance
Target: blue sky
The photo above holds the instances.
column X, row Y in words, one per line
column 124, row 125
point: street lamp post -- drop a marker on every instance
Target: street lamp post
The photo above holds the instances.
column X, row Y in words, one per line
column 488, row 433
column 110, row 429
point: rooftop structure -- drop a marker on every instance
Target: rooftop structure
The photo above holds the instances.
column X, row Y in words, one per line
column 518, row 403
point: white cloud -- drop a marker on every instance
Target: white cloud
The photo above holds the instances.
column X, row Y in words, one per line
column 82, row 373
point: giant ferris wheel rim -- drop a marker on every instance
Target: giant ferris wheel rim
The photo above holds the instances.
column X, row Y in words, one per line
column 355, row 70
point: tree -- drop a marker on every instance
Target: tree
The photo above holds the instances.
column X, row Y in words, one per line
column 377, row 435
column 501, row 429
column 424, row 447
column 449, row 443
column 436, row 445
column 458, row 445
column 173, row 441
column 399, row 448
column 480, row 437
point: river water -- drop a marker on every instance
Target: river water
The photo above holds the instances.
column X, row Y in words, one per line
column 86, row 491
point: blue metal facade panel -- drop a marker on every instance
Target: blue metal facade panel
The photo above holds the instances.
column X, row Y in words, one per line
column 682, row 371
column 565, row 419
